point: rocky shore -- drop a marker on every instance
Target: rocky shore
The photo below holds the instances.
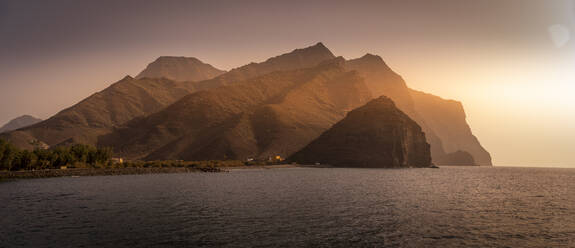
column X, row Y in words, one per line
column 6, row 175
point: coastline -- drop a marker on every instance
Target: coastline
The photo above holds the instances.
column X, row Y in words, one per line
column 83, row 172
column 12, row 175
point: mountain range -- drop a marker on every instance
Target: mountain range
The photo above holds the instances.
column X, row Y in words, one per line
column 182, row 108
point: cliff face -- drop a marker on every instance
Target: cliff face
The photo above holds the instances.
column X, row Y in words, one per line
column 275, row 114
column 20, row 122
column 180, row 69
column 382, row 80
column 446, row 119
column 377, row 134
column 443, row 121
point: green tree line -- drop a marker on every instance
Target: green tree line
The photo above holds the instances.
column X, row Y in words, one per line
column 13, row 159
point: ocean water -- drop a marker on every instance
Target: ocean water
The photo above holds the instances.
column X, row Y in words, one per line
column 295, row 207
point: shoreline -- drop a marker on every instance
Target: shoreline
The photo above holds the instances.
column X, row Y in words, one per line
column 83, row 172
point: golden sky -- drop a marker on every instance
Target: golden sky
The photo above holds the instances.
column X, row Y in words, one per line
column 509, row 61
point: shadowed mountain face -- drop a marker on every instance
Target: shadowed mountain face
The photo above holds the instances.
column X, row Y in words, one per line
column 377, row 134
column 20, row 122
column 274, row 114
column 180, row 69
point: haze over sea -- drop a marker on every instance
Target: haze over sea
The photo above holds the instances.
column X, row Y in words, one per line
column 447, row 207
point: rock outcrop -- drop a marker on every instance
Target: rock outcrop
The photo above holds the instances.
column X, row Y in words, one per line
column 180, row 69
column 20, row 122
column 377, row 134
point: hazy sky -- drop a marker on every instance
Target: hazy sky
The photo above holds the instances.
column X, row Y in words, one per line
column 511, row 63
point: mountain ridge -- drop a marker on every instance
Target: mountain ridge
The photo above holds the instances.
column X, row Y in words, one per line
column 19, row 122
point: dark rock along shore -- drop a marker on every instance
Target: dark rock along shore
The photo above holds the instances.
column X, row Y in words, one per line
column 377, row 134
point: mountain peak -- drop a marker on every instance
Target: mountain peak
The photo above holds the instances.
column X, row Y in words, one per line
column 20, row 122
column 301, row 57
column 320, row 45
column 127, row 77
column 318, row 48
column 370, row 62
column 372, row 57
column 296, row 59
column 170, row 59
column 180, row 68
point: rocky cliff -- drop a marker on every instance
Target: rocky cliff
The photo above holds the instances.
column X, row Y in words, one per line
column 443, row 121
column 377, row 134
column 447, row 120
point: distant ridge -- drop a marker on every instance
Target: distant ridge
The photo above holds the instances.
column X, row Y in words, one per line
column 19, row 122
column 180, row 69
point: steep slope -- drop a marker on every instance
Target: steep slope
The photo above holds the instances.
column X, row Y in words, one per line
column 180, row 69
column 20, row 122
column 297, row 59
column 377, row 134
column 443, row 121
column 447, row 120
column 382, row 80
column 129, row 98
column 99, row 113
column 274, row 114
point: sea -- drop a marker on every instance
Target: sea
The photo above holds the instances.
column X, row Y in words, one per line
column 295, row 207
